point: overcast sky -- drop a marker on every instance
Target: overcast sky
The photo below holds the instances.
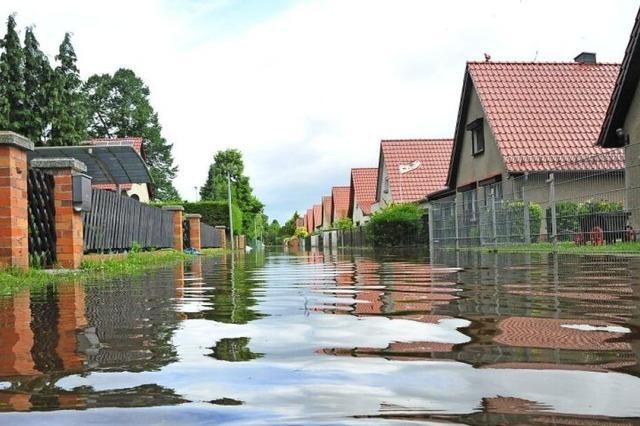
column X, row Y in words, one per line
column 306, row 89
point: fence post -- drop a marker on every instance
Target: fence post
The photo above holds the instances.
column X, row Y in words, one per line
column 527, row 219
column 68, row 221
column 14, row 214
column 494, row 226
column 430, row 225
column 194, row 230
column 222, row 234
column 552, row 204
column 177, row 226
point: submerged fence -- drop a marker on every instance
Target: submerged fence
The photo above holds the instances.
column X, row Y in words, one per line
column 115, row 222
column 596, row 206
column 211, row 236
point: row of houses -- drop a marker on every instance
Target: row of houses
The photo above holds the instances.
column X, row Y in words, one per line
column 519, row 125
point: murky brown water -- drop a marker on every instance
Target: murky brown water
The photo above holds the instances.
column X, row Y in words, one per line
column 331, row 339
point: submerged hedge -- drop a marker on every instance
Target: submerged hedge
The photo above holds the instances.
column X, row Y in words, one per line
column 396, row 225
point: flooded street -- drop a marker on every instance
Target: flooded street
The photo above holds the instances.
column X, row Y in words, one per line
column 340, row 338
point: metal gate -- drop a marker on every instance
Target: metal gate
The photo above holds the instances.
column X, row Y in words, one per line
column 42, row 232
column 186, row 232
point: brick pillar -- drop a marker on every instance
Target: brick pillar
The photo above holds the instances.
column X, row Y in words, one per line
column 177, row 226
column 223, row 236
column 68, row 223
column 14, row 222
column 194, row 230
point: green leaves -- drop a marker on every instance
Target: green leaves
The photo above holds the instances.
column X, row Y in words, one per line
column 118, row 106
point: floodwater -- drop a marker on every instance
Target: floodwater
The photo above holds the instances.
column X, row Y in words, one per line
column 331, row 338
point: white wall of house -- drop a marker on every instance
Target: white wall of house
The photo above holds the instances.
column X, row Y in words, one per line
column 141, row 190
column 358, row 218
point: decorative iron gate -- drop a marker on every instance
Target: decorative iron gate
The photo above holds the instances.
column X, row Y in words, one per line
column 42, row 232
column 186, row 232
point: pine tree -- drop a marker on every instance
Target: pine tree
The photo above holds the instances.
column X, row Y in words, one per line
column 38, row 88
column 12, row 108
column 119, row 106
column 69, row 117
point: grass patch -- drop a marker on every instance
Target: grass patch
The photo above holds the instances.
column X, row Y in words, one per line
column 564, row 247
column 97, row 266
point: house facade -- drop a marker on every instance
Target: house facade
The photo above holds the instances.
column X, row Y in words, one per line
column 340, row 196
column 621, row 127
column 317, row 217
column 521, row 125
column 362, row 194
column 138, row 191
column 326, row 212
column 410, row 169
column 309, row 224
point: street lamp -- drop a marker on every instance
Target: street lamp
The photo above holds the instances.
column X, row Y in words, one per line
column 406, row 168
column 233, row 244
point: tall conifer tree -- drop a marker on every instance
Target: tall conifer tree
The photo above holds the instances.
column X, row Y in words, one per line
column 69, row 116
column 12, row 108
column 38, row 90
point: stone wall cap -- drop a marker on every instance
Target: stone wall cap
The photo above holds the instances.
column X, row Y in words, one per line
column 59, row 163
column 220, row 227
column 14, row 139
column 173, row 208
column 193, row 216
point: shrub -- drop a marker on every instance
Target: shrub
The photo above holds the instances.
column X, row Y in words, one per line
column 569, row 215
column 301, row 232
column 397, row 224
column 344, row 223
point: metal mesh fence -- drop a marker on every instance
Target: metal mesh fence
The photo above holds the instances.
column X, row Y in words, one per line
column 571, row 206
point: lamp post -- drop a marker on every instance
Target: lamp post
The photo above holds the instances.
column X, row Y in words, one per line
column 233, row 244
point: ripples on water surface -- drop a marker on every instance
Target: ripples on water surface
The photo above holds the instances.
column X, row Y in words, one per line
column 341, row 338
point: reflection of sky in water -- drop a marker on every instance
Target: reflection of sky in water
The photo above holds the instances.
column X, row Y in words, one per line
column 288, row 378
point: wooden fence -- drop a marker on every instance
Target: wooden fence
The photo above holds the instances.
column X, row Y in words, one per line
column 115, row 222
column 352, row 237
column 211, row 237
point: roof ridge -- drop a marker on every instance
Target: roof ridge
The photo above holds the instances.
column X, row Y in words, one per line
column 542, row 63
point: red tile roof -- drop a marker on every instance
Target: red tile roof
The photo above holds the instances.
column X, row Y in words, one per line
column 340, row 196
column 136, row 143
column 317, row 216
column 310, row 221
column 326, row 210
column 430, row 176
column 547, row 116
column 363, row 187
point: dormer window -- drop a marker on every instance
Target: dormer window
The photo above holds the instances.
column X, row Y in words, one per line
column 476, row 127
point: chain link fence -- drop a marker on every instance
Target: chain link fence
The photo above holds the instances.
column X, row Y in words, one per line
column 582, row 204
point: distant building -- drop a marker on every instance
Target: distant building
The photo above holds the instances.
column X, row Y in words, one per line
column 339, row 202
column 424, row 164
column 138, row 191
column 317, row 216
column 362, row 194
column 621, row 126
column 309, row 224
column 326, row 212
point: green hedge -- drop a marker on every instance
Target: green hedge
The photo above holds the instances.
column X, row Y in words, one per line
column 214, row 213
column 569, row 213
column 396, row 225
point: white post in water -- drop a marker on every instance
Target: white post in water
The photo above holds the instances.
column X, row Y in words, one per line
column 233, row 244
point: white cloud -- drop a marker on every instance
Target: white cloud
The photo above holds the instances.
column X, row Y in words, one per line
column 307, row 93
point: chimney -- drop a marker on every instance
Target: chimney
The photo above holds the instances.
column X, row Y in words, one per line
column 585, row 58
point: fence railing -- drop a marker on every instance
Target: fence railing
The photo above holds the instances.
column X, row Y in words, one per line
column 116, row 222
column 211, row 237
column 581, row 207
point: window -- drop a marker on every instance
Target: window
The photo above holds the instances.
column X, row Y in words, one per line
column 469, row 204
column 476, row 127
column 386, row 185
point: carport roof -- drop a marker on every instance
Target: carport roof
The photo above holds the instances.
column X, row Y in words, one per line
column 105, row 164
